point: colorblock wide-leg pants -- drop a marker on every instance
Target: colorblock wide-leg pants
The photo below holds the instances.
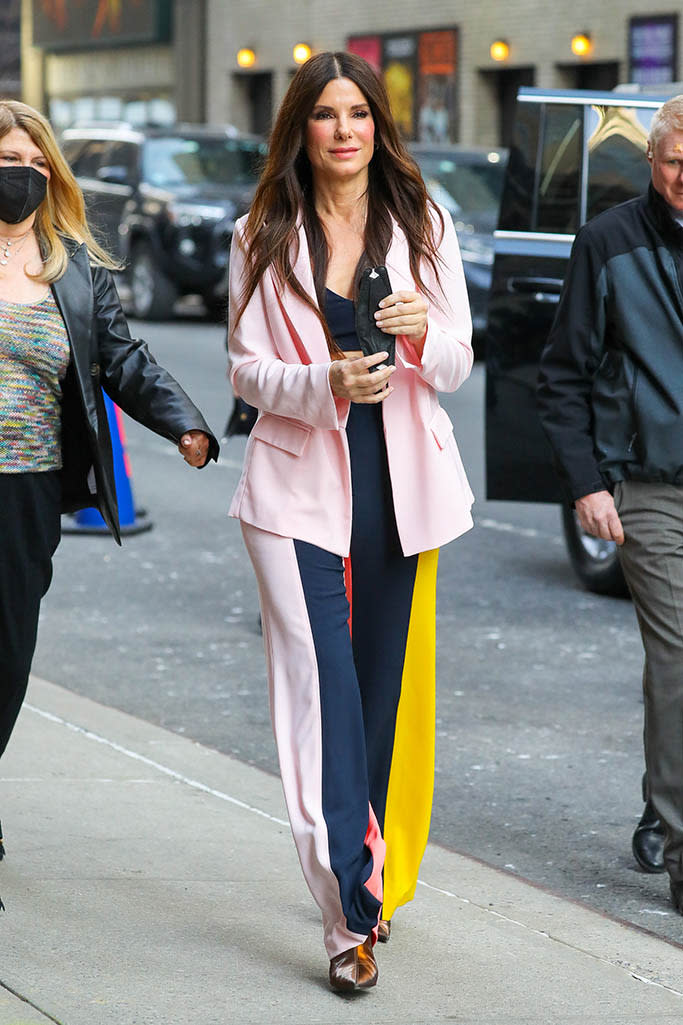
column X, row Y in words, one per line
column 350, row 648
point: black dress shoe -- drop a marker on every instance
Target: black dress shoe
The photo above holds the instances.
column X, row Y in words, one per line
column 2, row 846
column 648, row 841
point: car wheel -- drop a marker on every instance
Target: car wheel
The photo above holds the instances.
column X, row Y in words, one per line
column 594, row 561
column 152, row 294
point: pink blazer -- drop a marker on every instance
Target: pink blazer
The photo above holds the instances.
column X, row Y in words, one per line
column 296, row 479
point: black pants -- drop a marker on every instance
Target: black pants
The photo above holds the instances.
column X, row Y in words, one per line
column 29, row 535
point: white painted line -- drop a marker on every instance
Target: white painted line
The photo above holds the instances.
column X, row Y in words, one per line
column 195, row 784
column 554, row 939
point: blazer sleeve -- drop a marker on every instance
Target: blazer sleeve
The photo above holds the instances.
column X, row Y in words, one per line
column 257, row 373
column 131, row 376
column 447, row 355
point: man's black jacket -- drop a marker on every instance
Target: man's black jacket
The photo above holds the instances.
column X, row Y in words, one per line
column 104, row 356
column 611, row 376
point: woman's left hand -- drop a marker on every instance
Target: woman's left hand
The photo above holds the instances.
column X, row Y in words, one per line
column 194, row 447
column 403, row 313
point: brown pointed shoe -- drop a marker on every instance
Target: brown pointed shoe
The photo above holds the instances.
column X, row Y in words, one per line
column 383, row 930
column 354, row 969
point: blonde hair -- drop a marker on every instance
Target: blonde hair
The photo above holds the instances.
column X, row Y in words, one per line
column 667, row 118
column 62, row 212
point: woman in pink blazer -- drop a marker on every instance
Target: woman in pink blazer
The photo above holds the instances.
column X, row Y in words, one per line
column 351, row 483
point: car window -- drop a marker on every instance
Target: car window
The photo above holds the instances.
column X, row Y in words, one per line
column 517, row 205
column 176, row 161
column 72, row 148
column 617, row 165
column 469, row 188
column 124, row 154
column 560, row 172
column 90, row 158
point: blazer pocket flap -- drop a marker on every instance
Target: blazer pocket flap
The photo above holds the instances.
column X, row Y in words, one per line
column 288, row 435
column 441, row 426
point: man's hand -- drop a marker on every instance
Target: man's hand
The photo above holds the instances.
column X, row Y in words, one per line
column 598, row 516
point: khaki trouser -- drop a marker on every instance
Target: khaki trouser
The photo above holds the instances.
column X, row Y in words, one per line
column 652, row 560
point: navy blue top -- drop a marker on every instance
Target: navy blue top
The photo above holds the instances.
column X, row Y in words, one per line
column 340, row 314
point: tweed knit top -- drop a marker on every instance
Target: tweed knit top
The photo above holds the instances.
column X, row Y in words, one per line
column 34, row 356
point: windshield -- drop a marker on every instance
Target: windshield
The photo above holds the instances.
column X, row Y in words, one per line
column 173, row 161
column 464, row 189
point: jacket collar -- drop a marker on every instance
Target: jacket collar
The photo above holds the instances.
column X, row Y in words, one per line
column 669, row 228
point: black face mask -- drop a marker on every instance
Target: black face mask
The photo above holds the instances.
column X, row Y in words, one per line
column 22, row 190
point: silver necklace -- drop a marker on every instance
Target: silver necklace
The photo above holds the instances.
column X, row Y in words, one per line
column 10, row 247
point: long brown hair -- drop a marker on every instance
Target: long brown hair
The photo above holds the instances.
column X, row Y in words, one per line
column 284, row 194
column 62, row 212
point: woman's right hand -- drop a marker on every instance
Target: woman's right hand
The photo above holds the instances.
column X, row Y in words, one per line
column 350, row 379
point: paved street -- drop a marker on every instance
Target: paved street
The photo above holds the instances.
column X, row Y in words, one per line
column 539, row 712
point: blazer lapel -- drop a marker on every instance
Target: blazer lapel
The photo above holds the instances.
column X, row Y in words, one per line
column 398, row 262
column 302, row 321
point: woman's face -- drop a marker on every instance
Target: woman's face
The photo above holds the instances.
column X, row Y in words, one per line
column 17, row 149
column 340, row 132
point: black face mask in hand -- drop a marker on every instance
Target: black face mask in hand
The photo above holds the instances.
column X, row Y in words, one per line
column 22, row 190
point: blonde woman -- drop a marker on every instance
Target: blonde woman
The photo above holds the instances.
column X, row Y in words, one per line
column 63, row 339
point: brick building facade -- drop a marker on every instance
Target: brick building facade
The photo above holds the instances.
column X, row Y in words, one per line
column 436, row 57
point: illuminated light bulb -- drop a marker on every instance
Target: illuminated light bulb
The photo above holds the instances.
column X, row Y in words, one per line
column 581, row 44
column 301, row 53
column 499, row 50
column 246, row 58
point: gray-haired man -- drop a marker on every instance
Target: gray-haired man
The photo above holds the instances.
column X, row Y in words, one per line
column 611, row 403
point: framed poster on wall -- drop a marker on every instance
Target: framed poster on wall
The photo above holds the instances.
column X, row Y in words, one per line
column 437, row 65
column 420, row 71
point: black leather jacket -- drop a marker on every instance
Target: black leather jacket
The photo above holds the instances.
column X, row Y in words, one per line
column 104, row 356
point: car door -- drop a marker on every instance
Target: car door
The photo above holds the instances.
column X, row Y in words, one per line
column 117, row 178
column 538, row 220
column 107, row 186
column 573, row 156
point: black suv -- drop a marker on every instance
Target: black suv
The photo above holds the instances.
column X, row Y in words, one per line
column 574, row 154
column 164, row 202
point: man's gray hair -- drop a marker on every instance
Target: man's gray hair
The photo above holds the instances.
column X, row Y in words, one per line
column 667, row 118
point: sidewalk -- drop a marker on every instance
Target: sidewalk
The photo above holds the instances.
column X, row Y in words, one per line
column 151, row 881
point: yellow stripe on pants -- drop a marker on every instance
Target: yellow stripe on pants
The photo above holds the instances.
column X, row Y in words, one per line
column 411, row 780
